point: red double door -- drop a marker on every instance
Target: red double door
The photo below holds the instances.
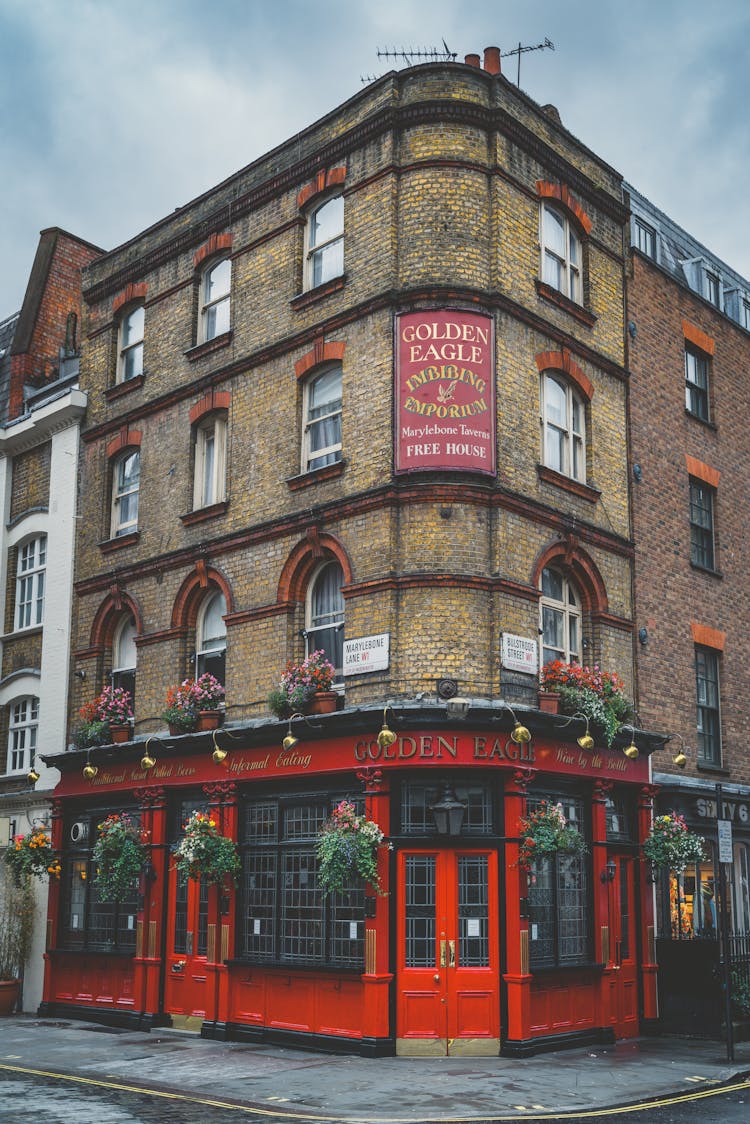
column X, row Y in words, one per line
column 187, row 991
column 448, row 969
column 623, row 975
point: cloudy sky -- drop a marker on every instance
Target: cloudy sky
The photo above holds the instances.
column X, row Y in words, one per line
column 114, row 113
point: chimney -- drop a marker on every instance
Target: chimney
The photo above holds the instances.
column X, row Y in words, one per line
column 492, row 60
column 473, row 60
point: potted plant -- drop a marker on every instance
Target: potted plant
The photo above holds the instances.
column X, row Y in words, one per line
column 121, row 856
column 32, row 855
column 207, row 695
column 347, row 848
column 16, row 922
column 670, row 844
column 106, row 719
column 204, row 853
column 180, row 712
column 545, row 831
column 595, row 694
column 304, row 687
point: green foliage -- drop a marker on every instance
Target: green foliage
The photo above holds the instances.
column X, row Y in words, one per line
column 672, row 845
column 598, row 695
column 546, row 831
column 121, row 855
column 347, row 848
column 740, row 986
column 16, row 923
column 32, row 855
column 204, row 853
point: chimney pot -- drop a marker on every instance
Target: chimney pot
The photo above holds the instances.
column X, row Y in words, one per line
column 492, row 60
column 473, row 60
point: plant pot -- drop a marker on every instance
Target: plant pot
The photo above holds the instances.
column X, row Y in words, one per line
column 208, row 720
column 549, row 702
column 9, row 996
column 119, row 733
column 176, row 731
column 323, row 702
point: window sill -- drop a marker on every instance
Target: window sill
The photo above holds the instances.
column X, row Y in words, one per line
column 306, row 479
column 708, row 767
column 122, row 388
column 567, row 483
column 546, row 970
column 701, row 421
column 32, row 630
column 554, row 296
column 203, row 514
column 208, row 346
column 708, row 570
column 320, row 291
column 109, row 546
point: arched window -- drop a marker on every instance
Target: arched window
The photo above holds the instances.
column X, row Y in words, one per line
column 325, row 242
column 560, row 623
column 215, row 301
column 125, row 656
column 22, row 734
column 30, row 575
column 209, row 484
column 126, row 482
column 211, row 637
column 321, row 443
column 563, row 419
column 130, row 344
column 324, row 616
column 561, row 253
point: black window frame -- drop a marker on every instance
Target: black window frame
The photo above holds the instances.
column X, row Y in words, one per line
column 708, row 713
column 697, row 400
column 645, row 238
column 702, row 524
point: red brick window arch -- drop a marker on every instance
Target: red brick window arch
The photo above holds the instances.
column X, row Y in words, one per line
column 564, row 394
column 209, row 420
column 129, row 311
column 322, row 201
column 563, row 226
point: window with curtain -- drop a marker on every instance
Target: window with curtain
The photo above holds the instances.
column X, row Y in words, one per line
column 126, row 483
column 560, row 623
column 563, row 417
column 130, row 344
column 215, row 299
column 322, row 407
column 125, row 657
column 325, row 242
column 211, row 637
column 324, row 624
column 561, row 253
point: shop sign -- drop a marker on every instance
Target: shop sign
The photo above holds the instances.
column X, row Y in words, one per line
column 518, row 653
column 725, row 841
column 368, row 653
column 445, row 391
column 733, row 810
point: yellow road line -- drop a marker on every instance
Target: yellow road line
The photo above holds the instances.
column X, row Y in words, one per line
column 588, row 1114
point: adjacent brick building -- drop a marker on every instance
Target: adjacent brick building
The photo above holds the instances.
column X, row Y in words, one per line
column 42, row 408
column 371, row 388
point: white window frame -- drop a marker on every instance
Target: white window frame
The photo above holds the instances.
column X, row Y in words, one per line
column 570, row 433
column 567, row 608
column 209, row 481
column 22, row 733
column 207, row 646
column 125, row 655
column 215, row 307
column 130, row 349
column 324, row 256
column 333, row 621
column 569, row 271
column 712, row 278
column 313, row 458
column 31, row 566
column 122, row 496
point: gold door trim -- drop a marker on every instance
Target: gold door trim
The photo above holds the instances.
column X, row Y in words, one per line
column 193, row 1023
column 211, row 944
column 524, row 942
column 473, row 1047
column 224, row 942
column 152, row 940
column 605, row 944
column 421, row 1047
column 371, row 946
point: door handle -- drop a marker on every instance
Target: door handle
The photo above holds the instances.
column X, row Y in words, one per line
column 442, row 954
column 452, row 951
column 436, row 978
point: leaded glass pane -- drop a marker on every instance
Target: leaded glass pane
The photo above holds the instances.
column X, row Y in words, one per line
column 473, row 916
column 302, row 906
column 419, row 951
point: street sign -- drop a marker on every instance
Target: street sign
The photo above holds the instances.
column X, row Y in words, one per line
column 725, row 841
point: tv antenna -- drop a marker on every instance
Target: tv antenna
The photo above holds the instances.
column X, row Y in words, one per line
column 521, row 50
column 421, row 54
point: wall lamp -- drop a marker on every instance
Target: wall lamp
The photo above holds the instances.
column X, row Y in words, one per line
column 519, row 734
column 89, row 770
column 609, row 872
column 386, row 737
column 448, row 812
column 218, row 754
column 680, row 758
column 585, row 740
column 457, row 707
column 290, row 741
column 32, row 776
column 631, row 751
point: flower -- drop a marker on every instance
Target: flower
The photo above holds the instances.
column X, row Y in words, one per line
column 113, row 707
column 207, row 692
column 204, row 853
column 545, row 831
column 347, row 848
column 180, row 710
column 32, row 855
column 598, row 695
column 671, row 844
column 120, row 855
column 300, row 682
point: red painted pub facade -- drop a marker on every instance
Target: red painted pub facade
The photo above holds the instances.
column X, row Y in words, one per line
column 463, row 954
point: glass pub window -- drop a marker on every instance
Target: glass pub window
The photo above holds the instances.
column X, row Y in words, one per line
column 558, row 899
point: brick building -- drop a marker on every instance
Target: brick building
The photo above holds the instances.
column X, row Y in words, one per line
column 689, row 353
column 368, row 395
column 41, row 408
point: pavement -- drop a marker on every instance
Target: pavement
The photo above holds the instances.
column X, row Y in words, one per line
column 312, row 1086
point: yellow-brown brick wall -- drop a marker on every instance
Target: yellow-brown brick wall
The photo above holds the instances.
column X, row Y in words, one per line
column 31, row 472
column 24, row 650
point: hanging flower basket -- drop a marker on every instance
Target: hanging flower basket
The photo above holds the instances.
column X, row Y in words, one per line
column 596, row 694
column 300, row 683
column 204, row 853
column 670, row 844
column 347, row 849
column 32, row 855
column 105, row 720
column 121, row 855
column 546, row 831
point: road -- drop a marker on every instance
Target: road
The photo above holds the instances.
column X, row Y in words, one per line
column 26, row 1096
